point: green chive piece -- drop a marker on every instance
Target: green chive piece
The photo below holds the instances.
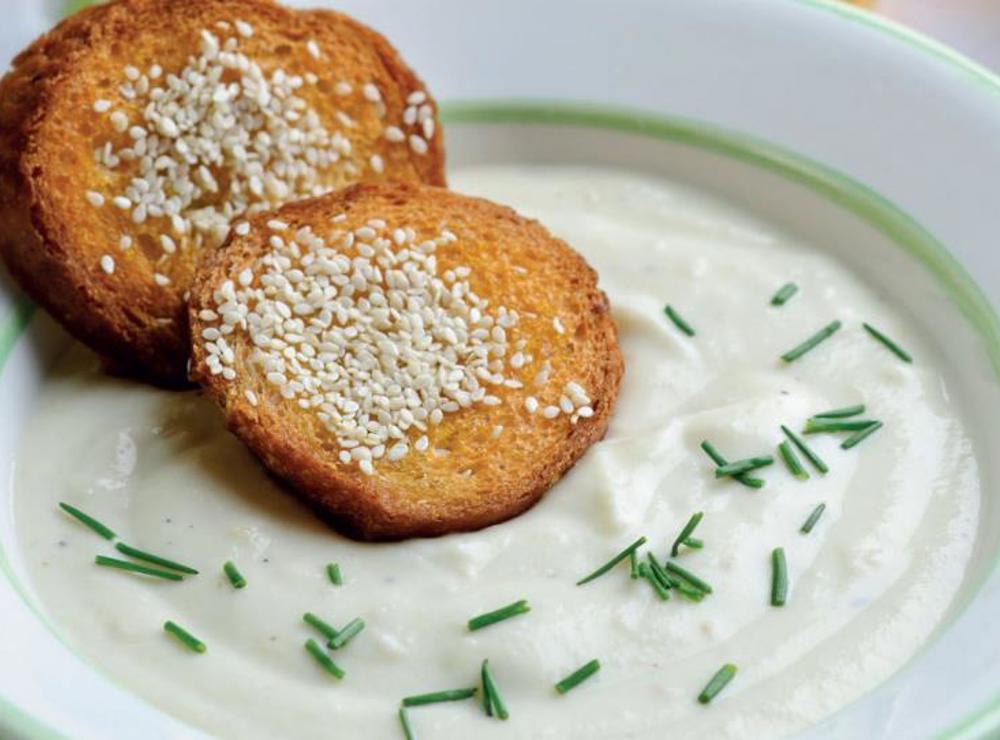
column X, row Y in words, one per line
column 686, row 532
column 439, row 696
column 689, row 592
column 184, row 637
column 404, row 720
column 691, row 578
column 723, row 676
column 743, row 466
column 806, row 450
column 351, row 630
column 613, row 562
column 719, row 460
column 333, row 573
column 133, row 552
column 235, row 577
column 135, row 568
column 324, row 660
column 861, row 436
column 88, row 520
column 889, row 344
column 578, row 676
column 679, row 322
column 779, row 577
column 785, row 292
column 813, row 518
column 694, row 543
column 633, row 562
column 319, row 625
column 657, row 578
column 841, row 412
column 498, row 615
column 792, row 461
column 823, row 334
column 495, row 703
column 823, row 426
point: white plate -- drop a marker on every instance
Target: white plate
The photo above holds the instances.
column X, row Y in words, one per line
column 877, row 144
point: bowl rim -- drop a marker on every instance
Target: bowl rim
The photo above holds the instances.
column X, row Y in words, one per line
column 862, row 201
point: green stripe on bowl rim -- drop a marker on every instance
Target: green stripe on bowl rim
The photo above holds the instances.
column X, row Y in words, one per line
column 844, row 191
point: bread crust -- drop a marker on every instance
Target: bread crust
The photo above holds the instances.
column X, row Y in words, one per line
column 53, row 241
column 424, row 495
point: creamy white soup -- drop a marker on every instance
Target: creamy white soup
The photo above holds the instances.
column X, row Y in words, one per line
column 867, row 585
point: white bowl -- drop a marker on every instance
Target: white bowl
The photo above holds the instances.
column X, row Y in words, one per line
column 878, row 144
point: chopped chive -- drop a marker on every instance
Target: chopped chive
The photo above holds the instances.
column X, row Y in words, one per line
column 889, row 344
column 184, row 637
column 633, row 561
column 841, row 412
column 861, row 436
column 674, row 569
column 822, row 426
column 439, row 696
column 718, row 459
column 88, row 520
column 689, row 592
column 319, row 625
column 686, row 532
column 324, row 660
column 487, row 699
column 613, row 562
column 679, row 322
column 578, row 676
column 495, row 703
column 333, row 573
column 351, row 630
column 779, row 577
column 806, row 450
column 657, row 578
column 404, row 720
column 235, row 577
column 813, row 518
column 694, row 543
column 723, row 676
column 135, row 568
column 498, row 615
column 823, row 334
column 785, row 292
column 743, row 466
column 792, row 461
column 133, row 552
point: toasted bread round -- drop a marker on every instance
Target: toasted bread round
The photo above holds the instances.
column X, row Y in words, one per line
column 136, row 132
column 412, row 361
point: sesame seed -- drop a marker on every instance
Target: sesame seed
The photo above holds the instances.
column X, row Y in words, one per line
column 108, row 264
column 428, row 127
column 371, row 93
column 160, row 279
column 343, row 88
column 416, row 98
column 394, row 134
column 168, row 245
column 376, row 164
column 531, row 404
column 558, row 325
column 276, row 225
column 95, row 199
column 418, row 145
column 102, row 106
column 244, row 29
column 119, row 121
column 313, row 48
column 124, row 242
column 131, row 72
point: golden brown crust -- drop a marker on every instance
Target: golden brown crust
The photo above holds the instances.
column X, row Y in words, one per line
column 515, row 262
column 53, row 240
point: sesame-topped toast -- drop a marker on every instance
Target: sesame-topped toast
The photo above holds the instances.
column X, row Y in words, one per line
column 412, row 361
column 135, row 134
